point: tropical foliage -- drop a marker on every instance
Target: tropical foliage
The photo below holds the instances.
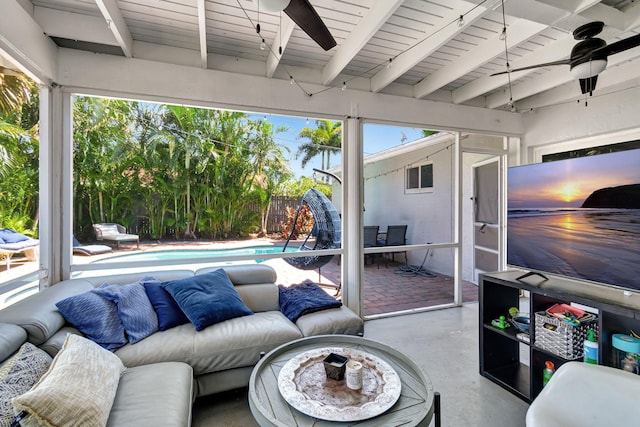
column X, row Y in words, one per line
column 19, row 154
column 190, row 171
column 324, row 140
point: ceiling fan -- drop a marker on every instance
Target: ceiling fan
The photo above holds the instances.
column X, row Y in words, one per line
column 589, row 56
column 305, row 16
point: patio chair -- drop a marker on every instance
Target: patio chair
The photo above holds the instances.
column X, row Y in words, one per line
column 396, row 235
column 371, row 240
column 12, row 242
column 80, row 249
column 327, row 230
column 115, row 233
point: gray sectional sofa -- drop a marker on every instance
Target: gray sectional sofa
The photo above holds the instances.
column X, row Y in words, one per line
column 167, row 370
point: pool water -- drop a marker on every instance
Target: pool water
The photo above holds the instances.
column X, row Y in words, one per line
column 180, row 254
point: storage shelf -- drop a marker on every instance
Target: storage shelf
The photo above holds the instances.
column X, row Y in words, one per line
column 513, row 377
column 500, row 349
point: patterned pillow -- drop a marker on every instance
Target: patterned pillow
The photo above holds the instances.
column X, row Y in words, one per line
column 78, row 389
column 18, row 374
column 134, row 308
column 96, row 317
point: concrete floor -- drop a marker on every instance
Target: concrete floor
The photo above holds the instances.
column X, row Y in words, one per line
column 443, row 343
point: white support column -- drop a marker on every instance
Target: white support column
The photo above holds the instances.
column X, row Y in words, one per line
column 457, row 215
column 352, row 199
column 66, row 178
column 55, row 204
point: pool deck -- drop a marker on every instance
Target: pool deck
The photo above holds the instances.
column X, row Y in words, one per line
column 386, row 288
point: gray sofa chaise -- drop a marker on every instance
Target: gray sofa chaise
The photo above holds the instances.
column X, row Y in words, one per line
column 167, row 370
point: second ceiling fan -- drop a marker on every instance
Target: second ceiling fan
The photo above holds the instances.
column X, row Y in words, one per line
column 589, row 56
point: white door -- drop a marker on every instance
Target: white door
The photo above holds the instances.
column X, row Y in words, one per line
column 487, row 216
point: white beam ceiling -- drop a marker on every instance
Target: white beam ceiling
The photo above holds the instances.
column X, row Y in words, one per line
column 202, row 32
column 367, row 27
column 115, row 22
column 281, row 39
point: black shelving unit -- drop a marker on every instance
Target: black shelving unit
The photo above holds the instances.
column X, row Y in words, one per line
column 500, row 350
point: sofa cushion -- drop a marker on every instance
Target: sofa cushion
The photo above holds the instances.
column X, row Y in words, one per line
column 96, row 317
column 11, row 338
column 142, row 388
column 18, row 374
column 78, row 388
column 230, row 344
column 333, row 321
column 208, row 298
column 169, row 313
column 134, row 308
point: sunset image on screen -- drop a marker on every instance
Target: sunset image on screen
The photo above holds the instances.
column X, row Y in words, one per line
column 577, row 217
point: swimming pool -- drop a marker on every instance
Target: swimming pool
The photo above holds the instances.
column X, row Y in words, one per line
column 182, row 254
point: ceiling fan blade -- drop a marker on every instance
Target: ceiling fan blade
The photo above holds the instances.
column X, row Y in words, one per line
column 619, row 46
column 305, row 16
column 545, row 64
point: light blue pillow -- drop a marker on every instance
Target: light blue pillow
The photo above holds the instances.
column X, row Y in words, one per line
column 12, row 236
column 134, row 308
column 207, row 298
column 96, row 317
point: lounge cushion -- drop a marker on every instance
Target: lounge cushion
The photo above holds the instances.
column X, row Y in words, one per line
column 12, row 236
column 208, row 298
column 169, row 313
column 96, row 317
column 134, row 308
column 78, row 389
column 18, row 374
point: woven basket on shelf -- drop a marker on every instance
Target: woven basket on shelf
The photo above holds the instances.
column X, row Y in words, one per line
column 559, row 337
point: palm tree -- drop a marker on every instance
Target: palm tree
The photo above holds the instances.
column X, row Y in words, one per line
column 15, row 90
column 325, row 139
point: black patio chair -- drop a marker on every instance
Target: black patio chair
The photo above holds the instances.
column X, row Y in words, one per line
column 371, row 240
column 396, row 235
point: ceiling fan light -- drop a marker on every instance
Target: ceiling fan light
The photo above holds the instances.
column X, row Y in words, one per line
column 589, row 68
column 273, row 5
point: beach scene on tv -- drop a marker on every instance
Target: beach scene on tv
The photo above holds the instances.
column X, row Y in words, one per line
column 578, row 217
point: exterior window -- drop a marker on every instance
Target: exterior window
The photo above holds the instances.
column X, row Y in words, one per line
column 420, row 179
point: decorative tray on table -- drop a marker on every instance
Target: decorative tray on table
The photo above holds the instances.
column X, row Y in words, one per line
column 303, row 383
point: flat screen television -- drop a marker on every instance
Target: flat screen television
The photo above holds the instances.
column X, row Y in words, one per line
column 578, row 217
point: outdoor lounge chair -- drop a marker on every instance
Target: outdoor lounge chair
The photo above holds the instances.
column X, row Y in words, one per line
column 396, row 235
column 12, row 242
column 80, row 249
column 115, row 233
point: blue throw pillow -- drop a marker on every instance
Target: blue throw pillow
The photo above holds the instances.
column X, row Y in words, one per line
column 12, row 236
column 207, row 298
column 96, row 317
column 134, row 308
column 168, row 312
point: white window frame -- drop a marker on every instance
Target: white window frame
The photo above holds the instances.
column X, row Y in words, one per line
column 419, row 189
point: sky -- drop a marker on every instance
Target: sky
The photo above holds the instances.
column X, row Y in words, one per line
column 567, row 183
column 376, row 139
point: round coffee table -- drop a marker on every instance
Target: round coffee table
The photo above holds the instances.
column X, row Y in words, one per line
column 415, row 407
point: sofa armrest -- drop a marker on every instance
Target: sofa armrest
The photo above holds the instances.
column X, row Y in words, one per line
column 38, row 315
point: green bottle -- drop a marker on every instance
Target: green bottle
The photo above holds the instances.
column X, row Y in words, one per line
column 591, row 348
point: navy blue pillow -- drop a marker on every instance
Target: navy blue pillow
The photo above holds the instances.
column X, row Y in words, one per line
column 208, row 298
column 12, row 236
column 96, row 317
column 169, row 313
column 134, row 308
